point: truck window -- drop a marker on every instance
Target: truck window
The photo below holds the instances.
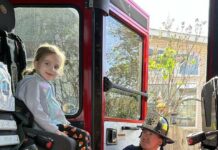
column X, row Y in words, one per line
column 59, row 26
column 123, row 59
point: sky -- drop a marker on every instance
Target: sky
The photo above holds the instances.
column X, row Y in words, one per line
column 180, row 10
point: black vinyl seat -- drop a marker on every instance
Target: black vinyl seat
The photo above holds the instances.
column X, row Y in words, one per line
column 60, row 142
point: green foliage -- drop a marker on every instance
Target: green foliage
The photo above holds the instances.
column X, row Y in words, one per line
column 123, row 62
column 120, row 106
column 165, row 63
column 47, row 25
column 170, row 70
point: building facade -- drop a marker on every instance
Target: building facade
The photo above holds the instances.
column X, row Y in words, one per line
column 182, row 90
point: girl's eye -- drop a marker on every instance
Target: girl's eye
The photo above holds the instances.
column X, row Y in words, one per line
column 47, row 63
column 56, row 67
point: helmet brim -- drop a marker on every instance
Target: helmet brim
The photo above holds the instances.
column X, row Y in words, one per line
column 168, row 140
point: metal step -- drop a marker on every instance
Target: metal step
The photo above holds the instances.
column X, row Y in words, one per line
column 6, row 140
column 8, row 125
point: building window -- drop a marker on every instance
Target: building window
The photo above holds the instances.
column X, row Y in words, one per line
column 180, row 100
column 189, row 64
column 153, row 52
column 187, row 110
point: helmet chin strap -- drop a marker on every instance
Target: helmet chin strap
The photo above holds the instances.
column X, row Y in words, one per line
column 161, row 147
column 140, row 135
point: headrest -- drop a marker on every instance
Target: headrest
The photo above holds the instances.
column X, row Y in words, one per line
column 7, row 17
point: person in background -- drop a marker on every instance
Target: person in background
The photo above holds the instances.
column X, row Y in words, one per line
column 37, row 92
column 153, row 135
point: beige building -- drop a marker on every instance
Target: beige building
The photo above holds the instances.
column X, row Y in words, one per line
column 193, row 75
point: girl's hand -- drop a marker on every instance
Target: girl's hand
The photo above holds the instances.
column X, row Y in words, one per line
column 60, row 133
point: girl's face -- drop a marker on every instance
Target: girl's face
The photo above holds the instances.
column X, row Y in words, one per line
column 150, row 140
column 48, row 67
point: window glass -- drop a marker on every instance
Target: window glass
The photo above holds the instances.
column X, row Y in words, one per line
column 181, row 103
column 59, row 26
column 187, row 62
column 191, row 66
column 187, row 109
column 122, row 65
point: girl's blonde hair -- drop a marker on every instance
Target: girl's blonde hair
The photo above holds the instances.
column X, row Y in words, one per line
column 43, row 51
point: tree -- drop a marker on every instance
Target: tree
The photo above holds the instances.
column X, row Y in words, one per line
column 123, row 67
column 172, row 65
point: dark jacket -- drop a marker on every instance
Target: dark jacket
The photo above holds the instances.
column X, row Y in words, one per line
column 132, row 147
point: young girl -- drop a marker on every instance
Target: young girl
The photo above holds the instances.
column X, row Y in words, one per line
column 37, row 92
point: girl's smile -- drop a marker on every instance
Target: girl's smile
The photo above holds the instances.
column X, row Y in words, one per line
column 48, row 66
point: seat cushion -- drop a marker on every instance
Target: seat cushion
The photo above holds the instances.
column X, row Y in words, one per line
column 60, row 142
